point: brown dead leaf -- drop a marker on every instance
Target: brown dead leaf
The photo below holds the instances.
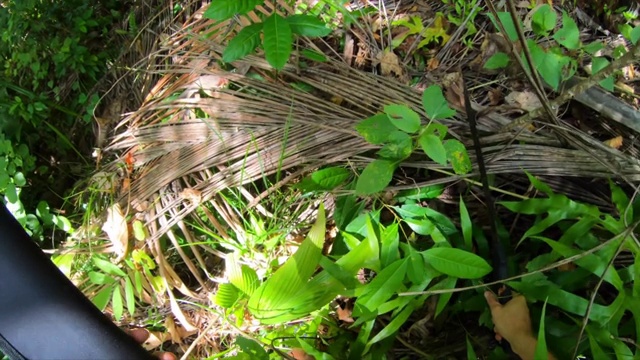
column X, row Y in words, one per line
column 156, row 338
column 525, row 100
column 495, row 96
column 567, row 267
column 433, row 63
column 453, row 90
column 615, row 142
column 117, row 231
column 300, row 354
column 390, row 64
column 193, row 195
column 345, row 314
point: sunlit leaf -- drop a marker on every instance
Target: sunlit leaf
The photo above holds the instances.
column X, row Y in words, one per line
column 375, row 129
column 227, row 295
column 457, row 262
column 102, row 298
column 375, row 177
column 403, row 117
column 107, row 267
column 129, row 295
column 382, row 287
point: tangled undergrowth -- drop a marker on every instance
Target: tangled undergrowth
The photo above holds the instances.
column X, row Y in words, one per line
column 300, row 179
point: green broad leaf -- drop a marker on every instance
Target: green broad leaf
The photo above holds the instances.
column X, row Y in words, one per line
column 241, row 276
column 227, row 295
column 399, row 146
column 593, row 47
column 393, row 326
column 102, row 298
column 130, row 297
column 98, row 278
column 137, row 277
column 498, row 60
column 277, row 41
column 597, row 64
column 507, row 22
column 471, row 354
column 541, row 348
column 447, row 283
column 389, row 242
column 312, row 352
column 403, row 117
column 457, row 156
column 117, row 304
column 43, row 213
column 543, row 20
column 325, row 179
column 426, row 227
column 421, row 193
column 313, row 55
column 139, row 231
column 277, row 299
column 436, row 129
column 375, row 177
column 62, row 223
column 375, row 129
column 466, row 225
column 107, row 267
column 594, row 346
column 11, row 194
column 243, row 44
column 5, row 178
column 19, row 179
column 416, row 270
column 634, row 36
column 569, row 34
column 435, row 105
column 251, row 348
column 307, row 25
column 381, row 288
column 457, row 263
column 225, row 9
column 547, row 64
column 433, row 148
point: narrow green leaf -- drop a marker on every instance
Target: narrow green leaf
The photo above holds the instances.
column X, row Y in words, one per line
column 416, row 268
column 225, row 9
column 243, row 44
column 421, row 193
column 375, row 177
column 375, row 129
column 130, row 296
column 541, row 348
column 276, row 300
column 325, row 179
column 465, row 224
column 389, row 241
column 313, row 55
column 107, row 267
column 635, row 35
column 471, row 354
column 381, row 288
column 403, row 117
column 569, row 35
column 446, row 284
column 98, row 278
column 507, row 22
column 117, row 304
column 307, row 25
column 277, row 41
column 435, row 105
column 457, row 156
column 102, row 298
column 393, row 326
column 433, row 148
column 457, row 263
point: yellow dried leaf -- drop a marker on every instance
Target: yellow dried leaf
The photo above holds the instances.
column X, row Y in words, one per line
column 117, row 231
column 615, row 142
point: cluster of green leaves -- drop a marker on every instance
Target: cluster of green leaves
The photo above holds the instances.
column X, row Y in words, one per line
column 464, row 12
column 567, row 292
column 435, row 33
column 16, row 164
column 400, row 132
column 298, row 289
column 276, row 32
column 557, row 63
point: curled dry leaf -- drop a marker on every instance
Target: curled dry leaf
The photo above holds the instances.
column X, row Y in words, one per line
column 453, row 89
column 193, row 195
column 495, row 96
column 525, row 100
column 117, row 231
column 390, row 64
column 615, row 142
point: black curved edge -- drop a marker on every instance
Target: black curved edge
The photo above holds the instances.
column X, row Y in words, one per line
column 43, row 315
